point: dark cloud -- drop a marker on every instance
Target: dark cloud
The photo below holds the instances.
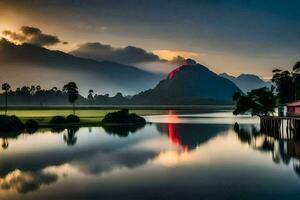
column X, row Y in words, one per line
column 30, row 30
column 177, row 61
column 32, row 35
column 165, row 66
column 126, row 55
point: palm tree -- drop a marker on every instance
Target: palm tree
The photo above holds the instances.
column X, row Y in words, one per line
column 5, row 87
column 72, row 90
column 91, row 95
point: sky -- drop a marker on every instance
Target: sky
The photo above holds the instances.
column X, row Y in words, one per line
column 226, row 35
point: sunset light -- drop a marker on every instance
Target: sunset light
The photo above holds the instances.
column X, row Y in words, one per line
column 149, row 100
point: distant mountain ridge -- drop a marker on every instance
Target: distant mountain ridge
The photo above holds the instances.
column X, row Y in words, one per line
column 30, row 64
column 190, row 84
column 247, row 82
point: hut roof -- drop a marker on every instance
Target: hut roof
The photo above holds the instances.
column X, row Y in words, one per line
column 294, row 104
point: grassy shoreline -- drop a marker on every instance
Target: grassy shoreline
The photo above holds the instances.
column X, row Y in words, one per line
column 92, row 116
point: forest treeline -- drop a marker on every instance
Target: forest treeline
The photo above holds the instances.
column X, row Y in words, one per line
column 37, row 96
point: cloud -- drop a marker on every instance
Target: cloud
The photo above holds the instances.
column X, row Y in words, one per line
column 171, row 54
column 24, row 182
column 165, row 66
column 126, row 55
column 158, row 61
column 31, row 35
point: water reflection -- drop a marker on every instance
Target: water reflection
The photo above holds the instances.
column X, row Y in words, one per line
column 24, row 182
column 6, row 136
column 158, row 161
column 123, row 130
column 282, row 151
column 70, row 137
column 189, row 136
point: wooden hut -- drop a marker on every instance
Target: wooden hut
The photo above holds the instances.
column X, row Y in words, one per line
column 293, row 109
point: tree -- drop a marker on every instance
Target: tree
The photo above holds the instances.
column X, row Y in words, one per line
column 285, row 85
column 296, row 67
column 91, row 95
column 5, row 87
column 260, row 102
column 72, row 91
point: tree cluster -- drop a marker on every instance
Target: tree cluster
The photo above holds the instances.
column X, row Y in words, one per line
column 287, row 84
column 260, row 102
column 37, row 96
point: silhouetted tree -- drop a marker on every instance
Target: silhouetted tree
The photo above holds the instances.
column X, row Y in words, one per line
column 35, row 95
column 72, row 90
column 54, row 89
column 287, row 84
column 296, row 67
column 5, row 87
column 285, row 87
column 91, row 95
column 38, row 88
column 259, row 102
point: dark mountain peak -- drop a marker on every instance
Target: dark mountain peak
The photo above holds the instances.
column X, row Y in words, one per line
column 190, row 84
column 187, row 69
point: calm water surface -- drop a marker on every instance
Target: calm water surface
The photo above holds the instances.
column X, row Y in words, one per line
column 178, row 156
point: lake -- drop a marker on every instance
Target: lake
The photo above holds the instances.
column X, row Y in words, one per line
column 180, row 155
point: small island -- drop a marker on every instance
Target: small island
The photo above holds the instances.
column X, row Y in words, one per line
column 122, row 117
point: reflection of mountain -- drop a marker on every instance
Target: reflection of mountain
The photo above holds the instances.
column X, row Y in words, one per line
column 282, row 151
column 189, row 136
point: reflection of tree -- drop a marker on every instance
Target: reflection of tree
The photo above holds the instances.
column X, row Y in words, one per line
column 4, row 143
column 70, row 138
column 32, row 130
column 8, row 135
column 189, row 136
column 122, row 130
column 296, row 166
column 282, row 151
column 57, row 129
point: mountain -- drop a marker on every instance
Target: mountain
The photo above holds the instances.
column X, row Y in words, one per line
column 189, row 84
column 247, row 82
column 29, row 64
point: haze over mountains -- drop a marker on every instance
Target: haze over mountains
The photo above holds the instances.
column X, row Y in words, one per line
column 191, row 83
column 247, row 82
column 31, row 64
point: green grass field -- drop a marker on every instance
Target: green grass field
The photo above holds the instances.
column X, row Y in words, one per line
column 87, row 116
